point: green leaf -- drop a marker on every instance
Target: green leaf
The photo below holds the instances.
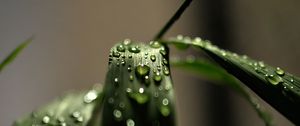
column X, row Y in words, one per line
column 138, row 88
column 216, row 73
column 14, row 54
column 72, row 109
column 280, row 89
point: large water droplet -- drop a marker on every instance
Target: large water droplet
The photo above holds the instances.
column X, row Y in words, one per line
column 46, row 119
column 163, row 52
column 142, row 70
column 126, row 41
column 166, row 71
column 130, row 122
column 274, row 79
column 121, row 48
column 165, row 61
column 141, row 90
column 90, row 96
column 76, row 114
column 153, row 58
column 279, row 71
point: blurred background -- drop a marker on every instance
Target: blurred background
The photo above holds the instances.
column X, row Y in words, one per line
column 73, row 38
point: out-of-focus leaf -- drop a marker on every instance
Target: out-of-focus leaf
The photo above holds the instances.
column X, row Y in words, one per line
column 277, row 87
column 216, row 73
column 72, row 109
column 14, row 54
column 138, row 89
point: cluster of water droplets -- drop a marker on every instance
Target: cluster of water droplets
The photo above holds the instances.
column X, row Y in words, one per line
column 274, row 76
column 145, row 65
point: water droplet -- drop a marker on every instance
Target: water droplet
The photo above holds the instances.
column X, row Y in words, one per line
column 117, row 114
column 179, row 37
column 157, row 77
column 292, row 80
column 129, row 56
column 128, row 90
column 274, row 79
column 142, row 70
column 46, row 119
column 76, row 114
column 165, row 101
column 165, row 61
column 123, row 62
column 166, row 71
column 90, row 96
column 116, row 54
column 122, row 105
column 153, row 58
column 79, row 119
column 126, row 41
column 261, row 64
column 129, row 68
column 141, row 90
column 279, row 71
column 155, row 44
column 116, row 80
column 163, row 52
column 131, row 78
column 111, row 100
column 121, row 48
column 165, row 111
column 130, row 122
column 134, row 49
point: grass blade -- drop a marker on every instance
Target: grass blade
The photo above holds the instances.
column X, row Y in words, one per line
column 138, row 88
column 14, row 54
column 278, row 88
column 73, row 109
column 215, row 73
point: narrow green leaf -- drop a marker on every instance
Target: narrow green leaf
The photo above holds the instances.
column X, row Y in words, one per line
column 216, row 73
column 277, row 87
column 14, row 54
column 72, row 109
column 138, row 89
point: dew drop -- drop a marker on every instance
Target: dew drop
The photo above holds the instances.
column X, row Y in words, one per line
column 153, row 58
column 123, row 62
column 121, row 48
column 122, row 105
column 279, row 71
column 129, row 68
column 261, row 64
column 130, row 122
column 117, row 114
column 116, row 54
column 163, row 52
column 76, row 114
column 165, row 101
column 155, row 44
column 165, row 111
column 157, row 77
column 111, row 100
column 165, row 61
column 142, row 70
column 79, row 119
column 128, row 90
column 126, row 41
column 90, row 96
column 116, row 80
column 46, row 119
column 134, row 49
column 166, row 71
column 274, row 79
column 141, row 90
column 131, row 78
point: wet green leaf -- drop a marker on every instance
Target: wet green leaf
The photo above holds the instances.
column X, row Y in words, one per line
column 215, row 73
column 14, row 54
column 72, row 109
column 280, row 89
column 138, row 87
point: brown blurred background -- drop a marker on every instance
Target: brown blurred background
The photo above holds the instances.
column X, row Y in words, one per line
column 73, row 37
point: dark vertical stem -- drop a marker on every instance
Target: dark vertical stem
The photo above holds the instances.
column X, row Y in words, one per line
column 173, row 19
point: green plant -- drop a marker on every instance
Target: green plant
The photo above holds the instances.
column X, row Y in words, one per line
column 138, row 87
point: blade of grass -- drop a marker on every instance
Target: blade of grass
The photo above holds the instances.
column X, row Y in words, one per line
column 278, row 88
column 215, row 73
column 173, row 19
column 72, row 109
column 14, row 53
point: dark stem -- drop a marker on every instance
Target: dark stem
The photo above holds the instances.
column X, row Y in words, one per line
column 172, row 20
